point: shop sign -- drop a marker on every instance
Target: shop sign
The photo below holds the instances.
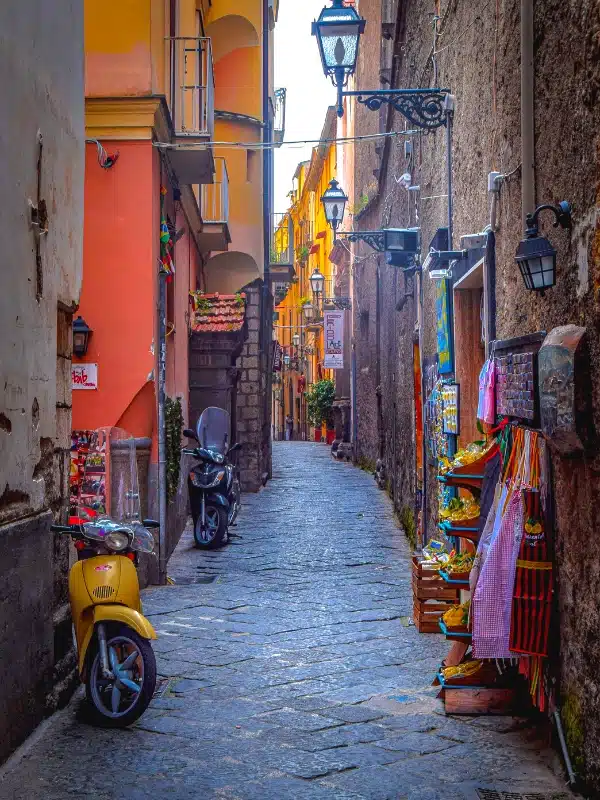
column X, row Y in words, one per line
column 276, row 357
column 84, row 376
column 334, row 339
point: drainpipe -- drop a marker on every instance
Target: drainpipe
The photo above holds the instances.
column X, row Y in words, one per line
column 527, row 110
column 162, row 443
column 267, row 137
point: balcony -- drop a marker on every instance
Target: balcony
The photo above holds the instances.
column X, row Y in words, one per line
column 192, row 108
column 214, row 209
column 281, row 259
column 279, row 115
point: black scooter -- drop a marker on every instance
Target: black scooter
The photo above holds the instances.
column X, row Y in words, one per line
column 214, row 488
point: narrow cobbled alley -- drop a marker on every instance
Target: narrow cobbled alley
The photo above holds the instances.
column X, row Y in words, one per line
column 292, row 670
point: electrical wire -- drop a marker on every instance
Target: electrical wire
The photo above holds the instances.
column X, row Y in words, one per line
column 105, row 159
column 276, row 145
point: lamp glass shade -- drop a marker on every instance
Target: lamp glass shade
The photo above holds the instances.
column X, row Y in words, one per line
column 338, row 31
column 81, row 337
column 308, row 311
column 334, row 203
column 286, row 360
column 296, row 339
column 537, row 261
column 317, row 282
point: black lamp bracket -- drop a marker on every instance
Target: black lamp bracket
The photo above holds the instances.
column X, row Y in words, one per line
column 562, row 214
column 375, row 239
column 426, row 108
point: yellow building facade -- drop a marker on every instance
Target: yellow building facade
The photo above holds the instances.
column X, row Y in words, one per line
column 304, row 230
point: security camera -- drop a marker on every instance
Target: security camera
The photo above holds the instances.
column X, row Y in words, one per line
column 405, row 180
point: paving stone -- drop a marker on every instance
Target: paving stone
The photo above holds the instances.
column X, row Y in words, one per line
column 292, row 676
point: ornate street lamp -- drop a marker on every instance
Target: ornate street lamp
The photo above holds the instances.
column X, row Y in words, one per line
column 81, row 337
column 317, row 282
column 334, row 202
column 286, row 360
column 308, row 310
column 338, row 31
column 400, row 244
column 296, row 339
column 535, row 255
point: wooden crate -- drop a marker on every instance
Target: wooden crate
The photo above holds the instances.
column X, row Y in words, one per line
column 428, row 585
column 478, row 701
column 427, row 614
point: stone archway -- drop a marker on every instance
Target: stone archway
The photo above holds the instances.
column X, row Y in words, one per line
column 228, row 272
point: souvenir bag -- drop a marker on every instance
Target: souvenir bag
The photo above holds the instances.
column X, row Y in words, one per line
column 532, row 595
column 486, row 407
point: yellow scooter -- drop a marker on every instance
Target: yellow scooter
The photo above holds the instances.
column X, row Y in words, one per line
column 116, row 660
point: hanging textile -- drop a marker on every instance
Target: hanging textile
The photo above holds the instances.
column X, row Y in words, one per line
column 492, row 601
column 166, row 241
column 486, row 408
column 532, row 597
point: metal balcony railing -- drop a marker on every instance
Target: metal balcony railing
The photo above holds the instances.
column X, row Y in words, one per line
column 279, row 123
column 215, row 196
column 192, row 86
column 282, row 240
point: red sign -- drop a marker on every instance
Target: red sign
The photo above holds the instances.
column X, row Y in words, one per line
column 84, row 376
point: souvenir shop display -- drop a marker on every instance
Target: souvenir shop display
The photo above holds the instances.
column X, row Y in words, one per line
column 495, row 513
column 450, row 409
column 87, row 480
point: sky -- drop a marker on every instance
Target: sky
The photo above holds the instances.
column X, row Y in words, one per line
column 298, row 69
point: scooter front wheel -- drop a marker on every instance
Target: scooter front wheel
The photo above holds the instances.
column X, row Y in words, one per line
column 119, row 700
column 211, row 534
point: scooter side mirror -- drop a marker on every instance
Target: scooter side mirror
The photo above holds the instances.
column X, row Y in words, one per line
column 150, row 523
column 190, row 434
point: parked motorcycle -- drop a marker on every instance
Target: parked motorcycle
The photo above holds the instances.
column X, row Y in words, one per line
column 116, row 660
column 213, row 483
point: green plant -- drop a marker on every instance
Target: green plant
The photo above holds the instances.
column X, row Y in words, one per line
column 302, row 253
column 174, row 426
column 363, row 202
column 239, row 300
column 303, row 301
column 203, row 305
column 320, row 399
column 407, row 520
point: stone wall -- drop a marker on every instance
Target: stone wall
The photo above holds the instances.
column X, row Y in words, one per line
column 253, row 393
column 478, row 58
column 42, row 134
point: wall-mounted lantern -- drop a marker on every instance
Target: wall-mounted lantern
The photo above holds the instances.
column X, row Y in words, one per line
column 317, row 282
column 296, row 339
column 81, row 337
column 308, row 310
column 334, row 202
column 535, row 255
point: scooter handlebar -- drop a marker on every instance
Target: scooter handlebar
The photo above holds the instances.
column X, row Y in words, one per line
column 61, row 528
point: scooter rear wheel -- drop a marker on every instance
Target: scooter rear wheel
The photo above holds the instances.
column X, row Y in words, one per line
column 118, row 702
column 212, row 534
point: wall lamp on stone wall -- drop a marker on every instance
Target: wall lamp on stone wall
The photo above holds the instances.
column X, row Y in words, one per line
column 81, row 337
column 535, row 255
column 338, row 31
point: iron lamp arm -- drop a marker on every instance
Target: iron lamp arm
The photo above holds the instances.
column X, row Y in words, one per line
column 562, row 217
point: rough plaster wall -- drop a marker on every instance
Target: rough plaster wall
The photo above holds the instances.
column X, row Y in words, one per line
column 478, row 53
column 41, row 63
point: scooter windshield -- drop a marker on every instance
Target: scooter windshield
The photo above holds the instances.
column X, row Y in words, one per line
column 213, row 430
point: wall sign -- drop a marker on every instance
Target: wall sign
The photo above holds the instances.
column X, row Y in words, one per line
column 515, row 385
column 334, row 339
column 84, row 376
column 443, row 308
column 450, row 409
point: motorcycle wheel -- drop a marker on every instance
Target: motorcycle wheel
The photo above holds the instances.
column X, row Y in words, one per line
column 237, row 502
column 117, row 703
column 213, row 534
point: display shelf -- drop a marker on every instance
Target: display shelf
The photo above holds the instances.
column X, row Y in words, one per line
column 449, row 685
column 452, row 635
column 460, row 531
column 471, row 481
column 462, row 583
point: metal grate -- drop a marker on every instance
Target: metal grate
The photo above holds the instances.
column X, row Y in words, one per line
column 103, row 592
column 493, row 794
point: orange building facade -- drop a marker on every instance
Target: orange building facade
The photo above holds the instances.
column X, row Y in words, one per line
column 165, row 79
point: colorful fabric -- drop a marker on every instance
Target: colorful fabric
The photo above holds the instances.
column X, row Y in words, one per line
column 486, row 409
column 492, row 602
column 532, row 597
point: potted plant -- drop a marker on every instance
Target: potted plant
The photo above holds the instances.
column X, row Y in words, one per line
column 319, row 399
column 302, row 254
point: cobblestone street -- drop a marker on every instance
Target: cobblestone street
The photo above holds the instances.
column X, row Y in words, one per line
column 293, row 671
